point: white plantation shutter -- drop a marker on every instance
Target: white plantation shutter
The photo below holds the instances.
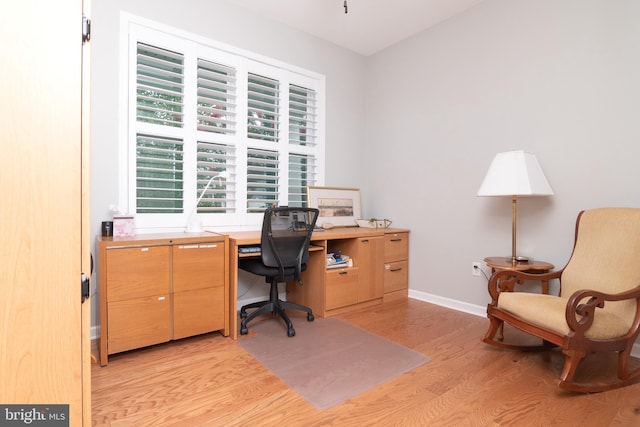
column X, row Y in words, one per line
column 263, row 114
column 262, row 179
column 212, row 160
column 303, row 134
column 303, row 116
column 197, row 108
column 160, row 103
column 216, row 98
column 302, row 173
column 159, row 174
column 159, row 86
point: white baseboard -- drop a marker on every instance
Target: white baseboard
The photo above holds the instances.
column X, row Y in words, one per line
column 473, row 309
column 95, row 332
column 449, row 303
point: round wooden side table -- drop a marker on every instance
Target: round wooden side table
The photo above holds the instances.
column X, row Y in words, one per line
column 531, row 266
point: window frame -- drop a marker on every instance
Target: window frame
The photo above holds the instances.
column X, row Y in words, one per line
column 135, row 29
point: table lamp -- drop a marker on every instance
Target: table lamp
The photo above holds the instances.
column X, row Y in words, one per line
column 194, row 225
column 515, row 173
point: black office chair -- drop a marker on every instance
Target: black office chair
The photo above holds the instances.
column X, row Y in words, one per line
column 284, row 246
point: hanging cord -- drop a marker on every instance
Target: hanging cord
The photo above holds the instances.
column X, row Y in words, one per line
column 346, row 8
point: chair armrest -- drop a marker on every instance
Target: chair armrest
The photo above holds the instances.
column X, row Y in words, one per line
column 580, row 315
column 506, row 280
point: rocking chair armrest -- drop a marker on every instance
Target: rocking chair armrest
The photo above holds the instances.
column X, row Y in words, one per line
column 505, row 281
column 580, row 314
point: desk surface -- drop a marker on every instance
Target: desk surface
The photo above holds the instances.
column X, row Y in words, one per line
column 252, row 237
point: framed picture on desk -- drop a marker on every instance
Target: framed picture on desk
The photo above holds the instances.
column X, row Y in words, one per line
column 338, row 206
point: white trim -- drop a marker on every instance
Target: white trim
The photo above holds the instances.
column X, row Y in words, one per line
column 476, row 310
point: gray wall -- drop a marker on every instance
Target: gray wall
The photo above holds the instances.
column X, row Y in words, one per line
column 416, row 126
column 558, row 78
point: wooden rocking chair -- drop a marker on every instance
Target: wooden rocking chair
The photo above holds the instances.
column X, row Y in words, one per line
column 598, row 306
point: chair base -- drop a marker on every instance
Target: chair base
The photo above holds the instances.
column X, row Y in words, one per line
column 275, row 306
column 567, row 381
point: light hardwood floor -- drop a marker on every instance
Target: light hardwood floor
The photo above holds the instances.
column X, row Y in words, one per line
column 210, row 381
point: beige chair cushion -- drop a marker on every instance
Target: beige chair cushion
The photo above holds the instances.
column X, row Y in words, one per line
column 605, row 259
column 548, row 311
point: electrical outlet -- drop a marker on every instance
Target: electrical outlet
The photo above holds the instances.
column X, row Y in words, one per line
column 476, row 269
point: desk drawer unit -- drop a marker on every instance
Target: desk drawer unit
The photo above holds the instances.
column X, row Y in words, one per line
column 396, row 265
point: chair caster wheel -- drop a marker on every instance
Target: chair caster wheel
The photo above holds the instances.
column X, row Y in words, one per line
column 310, row 317
column 244, row 331
column 291, row 332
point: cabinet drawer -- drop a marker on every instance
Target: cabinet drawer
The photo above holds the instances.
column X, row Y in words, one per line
column 342, row 288
column 396, row 247
column 137, row 272
column 396, row 276
column 197, row 312
column 198, row 266
column 138, row 323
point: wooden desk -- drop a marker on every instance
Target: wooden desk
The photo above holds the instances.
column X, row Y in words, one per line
column 340, row 290
column 531, row 266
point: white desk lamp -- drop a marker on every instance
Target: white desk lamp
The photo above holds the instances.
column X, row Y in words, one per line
column 515, row 173
column 194, row 225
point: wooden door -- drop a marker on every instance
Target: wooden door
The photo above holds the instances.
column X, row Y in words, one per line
column 44, row 328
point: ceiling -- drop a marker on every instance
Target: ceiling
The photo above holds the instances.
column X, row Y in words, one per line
column 368, row 27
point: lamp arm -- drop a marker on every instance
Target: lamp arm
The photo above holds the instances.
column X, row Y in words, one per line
column 221, row 175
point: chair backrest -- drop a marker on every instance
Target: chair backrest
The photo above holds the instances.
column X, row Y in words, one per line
column 286, row 233
column 606, row 255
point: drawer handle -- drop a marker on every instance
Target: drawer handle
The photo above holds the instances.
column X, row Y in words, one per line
column 393, row 270
column 365, row 240
column 396, row 240
column 342, row 273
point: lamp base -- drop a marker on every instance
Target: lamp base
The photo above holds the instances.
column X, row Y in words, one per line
column 194, row 226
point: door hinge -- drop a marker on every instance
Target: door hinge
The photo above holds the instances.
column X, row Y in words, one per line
column 85, row 287
column 86, row 29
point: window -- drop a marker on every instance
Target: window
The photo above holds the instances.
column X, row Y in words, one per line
column 197, row 108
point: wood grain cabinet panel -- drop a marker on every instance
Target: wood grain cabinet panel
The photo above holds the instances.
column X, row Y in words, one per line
column 396, row 276
column 137, row 272
column 197, row 312
column 342, row 287
column 138, row 322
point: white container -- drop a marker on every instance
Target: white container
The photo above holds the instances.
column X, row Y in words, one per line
column 373, row 223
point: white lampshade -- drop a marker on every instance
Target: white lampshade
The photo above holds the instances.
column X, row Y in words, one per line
column 515, row 173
